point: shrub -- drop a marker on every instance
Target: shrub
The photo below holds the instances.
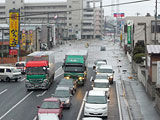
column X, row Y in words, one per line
column 139, row 49
column 138, row 57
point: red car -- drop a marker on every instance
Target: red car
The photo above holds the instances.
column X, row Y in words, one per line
column 51, row 105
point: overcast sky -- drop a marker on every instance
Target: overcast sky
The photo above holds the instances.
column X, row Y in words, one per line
column 129, row 10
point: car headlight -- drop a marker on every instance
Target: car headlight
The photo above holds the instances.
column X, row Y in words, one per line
column 97, row 72
column 80, row 78
column 111, row 76
column 67, row 77
column 67, row 101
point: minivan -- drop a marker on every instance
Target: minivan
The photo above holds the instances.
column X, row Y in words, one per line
column 8, row 73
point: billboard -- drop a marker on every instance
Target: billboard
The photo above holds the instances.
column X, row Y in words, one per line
column 13, row 31
column 129, row 29
column 118, row 14
column 23, row 45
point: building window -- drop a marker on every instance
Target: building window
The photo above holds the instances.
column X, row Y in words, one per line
column 14, row 2
column 70, row 18
column 153, row 27
column 70, row 6
column 76, row 25
column 70, row 24
column 70, row 12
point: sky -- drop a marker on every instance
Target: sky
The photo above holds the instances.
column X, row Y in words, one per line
column 129, row 10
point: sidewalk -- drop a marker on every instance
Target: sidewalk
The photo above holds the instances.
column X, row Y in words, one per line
column 141, row 106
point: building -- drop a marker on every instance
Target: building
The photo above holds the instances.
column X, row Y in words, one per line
column 93, row 19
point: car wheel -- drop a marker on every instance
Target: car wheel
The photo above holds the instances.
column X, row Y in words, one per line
column 16, row 79
column 8, row 79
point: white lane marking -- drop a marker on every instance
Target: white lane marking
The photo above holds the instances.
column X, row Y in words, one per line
column 91, row 78
column 58, row 69
column 3, row 91
column 22, row 79
column 15, row 105
column 58, row 75
column 119, row 102
column 35, row 118
column 80, row 111
column 39, row 95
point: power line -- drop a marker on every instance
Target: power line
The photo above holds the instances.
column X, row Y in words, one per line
column 125, row 3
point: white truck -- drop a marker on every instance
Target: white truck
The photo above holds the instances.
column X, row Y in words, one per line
column 40, row 70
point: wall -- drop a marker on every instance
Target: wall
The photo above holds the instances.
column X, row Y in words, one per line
column 11, row 60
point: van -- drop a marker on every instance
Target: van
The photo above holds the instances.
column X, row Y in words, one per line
column 8, row 73
column 21, row 66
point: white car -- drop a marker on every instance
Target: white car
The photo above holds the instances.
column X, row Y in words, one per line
column 106, row 70
column 99, row 63
column 100, row 84
column 47, row 116
column 92, row 118
column 96, row 104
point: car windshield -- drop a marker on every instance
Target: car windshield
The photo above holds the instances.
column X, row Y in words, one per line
column 20, row 65
column 62, row 93
column 50, row 105
column 101, row 77
column 14, row 70
column 35, row 71
column 105, row 70
column 101, row 85
column 75, row 68
column 96, row 99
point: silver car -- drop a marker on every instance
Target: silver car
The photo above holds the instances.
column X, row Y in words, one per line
column 64, row 94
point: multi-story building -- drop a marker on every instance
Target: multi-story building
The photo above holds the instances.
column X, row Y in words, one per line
column 72, row 18
column 93, row 19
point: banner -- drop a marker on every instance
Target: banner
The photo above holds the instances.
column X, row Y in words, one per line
column 23, row 45
column 31, row 37
column 13, row 31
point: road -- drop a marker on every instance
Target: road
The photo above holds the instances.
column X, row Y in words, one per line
column 19, row 104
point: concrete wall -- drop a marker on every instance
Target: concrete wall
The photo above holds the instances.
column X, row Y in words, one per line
column 157, row 101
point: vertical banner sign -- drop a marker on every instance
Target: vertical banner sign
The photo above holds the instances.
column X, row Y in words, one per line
column 129, row 34
column 31, row 37
column 13, row 31
column 129, row 28
column 23, row 40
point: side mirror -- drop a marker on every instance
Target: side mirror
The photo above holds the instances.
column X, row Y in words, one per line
column 84, row 100
column 113, row 71
column 38, row 106
column 108, row 100
column 94, row 67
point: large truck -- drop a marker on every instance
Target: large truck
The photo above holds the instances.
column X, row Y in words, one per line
column 75, row 65
column 40, row 70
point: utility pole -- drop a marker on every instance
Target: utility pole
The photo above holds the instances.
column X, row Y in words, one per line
column 2, row 48
column 48, row 43
column 155, row 27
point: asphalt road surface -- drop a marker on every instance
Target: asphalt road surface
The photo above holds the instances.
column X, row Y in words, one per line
column 16, row 103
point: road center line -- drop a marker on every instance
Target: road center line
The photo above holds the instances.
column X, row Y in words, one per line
column 3, row 91
column 80, row 111
column 22, row 79
column 15, row 105
column 41, row 93
column 91, row 78
column 58, row 75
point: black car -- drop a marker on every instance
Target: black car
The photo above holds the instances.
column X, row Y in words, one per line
column 71, row 83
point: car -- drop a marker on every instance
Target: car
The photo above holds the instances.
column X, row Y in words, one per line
column 71, row 83
column 21, row 66
column 64, row 94
column 51, row 105
column 98, row 64
column 92, row 118
column 102, row 48
column 46, row 116
column 8, row 73
column 106, row 70
column 96, row 104
column 100, row 60
column 100, row 84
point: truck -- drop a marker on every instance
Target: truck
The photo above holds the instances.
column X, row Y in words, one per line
column 40, row 70
column 76, row 66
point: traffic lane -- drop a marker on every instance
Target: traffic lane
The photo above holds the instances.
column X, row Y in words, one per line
column 77, row 100
column 28, row 107
column 15, row 94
